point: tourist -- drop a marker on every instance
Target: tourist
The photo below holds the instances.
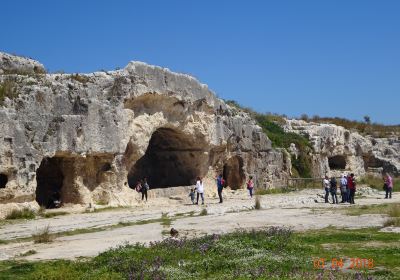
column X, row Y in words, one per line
column 192, row 194
column 333, row 190
column 250, row 185
column 220, row 187
column 200, row 190
column 138, row 186
column 351, row 183
column 343, row 188
column 145, row 188
column 388, row 186
column 327, row 186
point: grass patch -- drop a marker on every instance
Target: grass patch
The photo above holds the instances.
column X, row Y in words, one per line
column 80, row 78
column 25, row 213
column 165, row 220
column 392, row 222
column 273, row 253
column 43, row 236
column 28, row 253
column 257, row 203
column 7, row 90
column 377, row 182
column 364, row 128
column 272, row 127
column 203, row 212
column 53, row 214
column 383, row 209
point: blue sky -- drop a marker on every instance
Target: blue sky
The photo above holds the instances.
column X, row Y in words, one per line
column 327, row 58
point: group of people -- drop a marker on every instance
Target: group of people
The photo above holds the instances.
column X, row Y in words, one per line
column 221, row 184
column 347, row 188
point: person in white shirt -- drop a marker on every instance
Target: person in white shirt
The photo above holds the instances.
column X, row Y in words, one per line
column 343, row 189
column 327, row 185
column 200, row 190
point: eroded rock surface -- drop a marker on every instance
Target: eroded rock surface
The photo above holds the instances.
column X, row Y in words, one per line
column 338, row 150
column 87, row 137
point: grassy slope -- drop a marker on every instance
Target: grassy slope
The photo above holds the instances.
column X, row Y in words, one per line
column 271, row 125
column 266, row 254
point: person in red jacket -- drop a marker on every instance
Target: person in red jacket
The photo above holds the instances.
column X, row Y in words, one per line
column 351, row 183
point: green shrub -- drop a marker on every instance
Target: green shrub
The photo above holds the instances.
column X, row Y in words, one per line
column 43, row 236
column 257, row 203
column 7, row 90
column 80, row 78
column 25, row 213
column 203, row 212
column 377, row 130
column 272, row 127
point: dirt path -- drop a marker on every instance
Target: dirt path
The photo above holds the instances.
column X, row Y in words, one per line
column 301, row 210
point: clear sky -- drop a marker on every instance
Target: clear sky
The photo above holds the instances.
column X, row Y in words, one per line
column 327, row 58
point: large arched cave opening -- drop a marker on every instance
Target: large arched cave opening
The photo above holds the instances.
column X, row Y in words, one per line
column 337, row 162
column 49, row 178
column 172, row 159
column 233, row 173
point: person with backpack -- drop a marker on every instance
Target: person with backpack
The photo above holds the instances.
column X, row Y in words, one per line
column 327, row 186
column 250, row 186
column 145, row 188
column 220, row 187
column 333, row 189
column 200, row 190
column 351, row 183
column 343, row 188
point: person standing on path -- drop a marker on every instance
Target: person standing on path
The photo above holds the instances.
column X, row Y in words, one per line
column 333, row 190
column 220, row 187
column 145, row 188
column 200, row 190
column 351, row 183
column 389, row 186
column 250, row 186
column 327, row 186
column 343, row 188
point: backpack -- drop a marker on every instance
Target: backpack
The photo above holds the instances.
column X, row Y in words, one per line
column 138, row 187
column 223, row 183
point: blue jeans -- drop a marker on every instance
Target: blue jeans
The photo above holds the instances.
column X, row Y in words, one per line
column 326, row 195
column 202, row 197
column 250, row 192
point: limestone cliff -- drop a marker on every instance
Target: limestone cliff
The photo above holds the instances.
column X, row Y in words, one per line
column 88, row 137
column 338, row 150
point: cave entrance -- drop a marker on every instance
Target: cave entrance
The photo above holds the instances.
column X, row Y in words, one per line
column 233, row 173
column 337, row 162
column 3, row 180
column 49, row 178
column 172, row 159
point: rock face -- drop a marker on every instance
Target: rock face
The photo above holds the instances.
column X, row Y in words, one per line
column 86, row 138
column 10, row 64
column 338, row 150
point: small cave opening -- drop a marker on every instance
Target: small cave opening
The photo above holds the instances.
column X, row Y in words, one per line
column 233, row 173
column 172, row 159
column 49, row 178
column 371, row 162
column 337, row 162
column 3, row 180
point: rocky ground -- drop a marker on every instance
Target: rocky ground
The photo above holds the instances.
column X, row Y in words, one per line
column 85, row 234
